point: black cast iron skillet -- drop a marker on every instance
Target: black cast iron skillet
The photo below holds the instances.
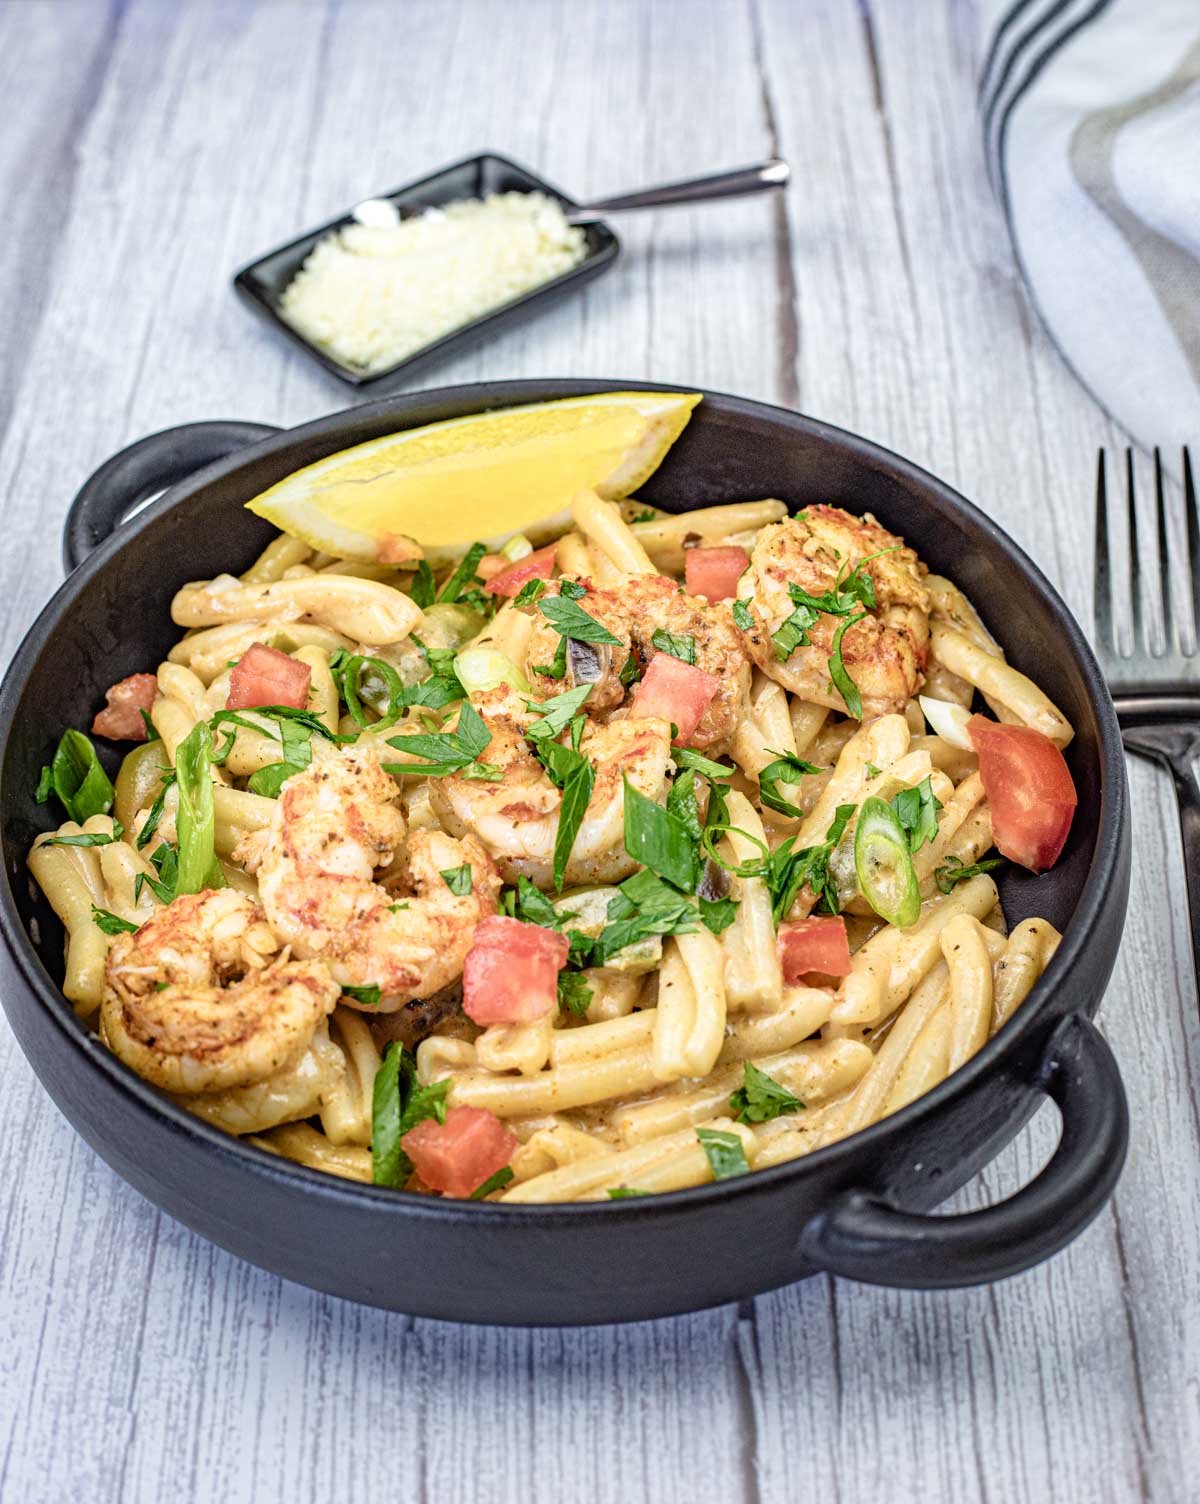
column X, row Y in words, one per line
column 860, row 1207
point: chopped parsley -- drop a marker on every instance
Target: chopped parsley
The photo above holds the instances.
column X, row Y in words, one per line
column 625, row 1192
column 448, row 752
column 787, row 768
column 569, row 619
column 530, row 592
column 852, row 597
column 741, row 614
column 724, row 1152
column 112, row 924
column 681, row 646
column 574, row 994
column 761, row 1098
column 952, row 872
column 917, row 810
column 87, row 838
column 458, row 880
column 398, row 1103
column 493, row 1183
column 368, row 995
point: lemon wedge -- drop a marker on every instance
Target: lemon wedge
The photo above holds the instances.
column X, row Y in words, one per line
column 486, row 476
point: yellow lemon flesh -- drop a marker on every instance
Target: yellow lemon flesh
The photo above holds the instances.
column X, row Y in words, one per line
column 486, row 476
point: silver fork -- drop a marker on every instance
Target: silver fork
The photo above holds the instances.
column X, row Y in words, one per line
column 1155, row 679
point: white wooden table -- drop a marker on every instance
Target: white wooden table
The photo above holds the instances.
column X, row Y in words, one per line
column 147, row 149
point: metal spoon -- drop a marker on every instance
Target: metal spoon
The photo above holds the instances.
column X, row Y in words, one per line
column 738, row 181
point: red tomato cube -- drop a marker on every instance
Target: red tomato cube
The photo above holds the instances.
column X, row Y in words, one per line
column 714, row 572
column 814, row 944
column 457, row 1156
column 1029, row 789
column 511, row 971
column 535, row 566
column 265, row 676
column 121, row 718
column 674, row 691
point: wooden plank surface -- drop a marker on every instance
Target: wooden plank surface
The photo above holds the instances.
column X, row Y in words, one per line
column 159, row 145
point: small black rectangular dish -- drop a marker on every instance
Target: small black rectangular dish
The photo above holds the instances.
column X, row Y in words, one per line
column 263, row 281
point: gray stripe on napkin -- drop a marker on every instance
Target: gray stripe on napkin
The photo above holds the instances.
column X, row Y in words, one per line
column 1170, row 268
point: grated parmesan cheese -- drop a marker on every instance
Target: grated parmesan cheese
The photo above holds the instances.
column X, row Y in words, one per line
column 371, row 294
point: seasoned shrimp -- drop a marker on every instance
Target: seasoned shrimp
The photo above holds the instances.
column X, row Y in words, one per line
column 885, row 652
column 333, row 826
column 642, row 606
column 199, row 999
column 517, row 817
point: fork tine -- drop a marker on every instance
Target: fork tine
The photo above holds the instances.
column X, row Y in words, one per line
column 1192, row 604
column 1170, row 637
column 1102, row 619
column 1140, row 642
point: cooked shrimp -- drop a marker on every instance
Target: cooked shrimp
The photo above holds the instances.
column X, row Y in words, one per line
column 885, row 652
column 286, row 1096
column 517, row 817
column 199, row 999
column 334, row 825
column 642, row 606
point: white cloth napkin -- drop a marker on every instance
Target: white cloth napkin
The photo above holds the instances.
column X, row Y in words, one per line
column 1091, row 118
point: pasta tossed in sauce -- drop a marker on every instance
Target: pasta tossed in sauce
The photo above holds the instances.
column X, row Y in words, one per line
column 653, row 857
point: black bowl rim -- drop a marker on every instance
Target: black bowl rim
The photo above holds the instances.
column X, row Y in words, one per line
column 1019, row 1031
column 593, row 263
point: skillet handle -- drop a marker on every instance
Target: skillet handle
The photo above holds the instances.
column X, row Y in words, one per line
column 864, row 1237
column 136, row 473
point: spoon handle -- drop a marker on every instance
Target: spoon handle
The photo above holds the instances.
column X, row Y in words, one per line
column 733, row 184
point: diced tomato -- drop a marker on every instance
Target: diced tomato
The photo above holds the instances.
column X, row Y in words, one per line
column 121, row 718
column 674, row 691
column 714, row 572
column 457, row 1156
column 814, row 944
column 535, row 566
column 265, row 676
column 1029, row 789
column 511, row 971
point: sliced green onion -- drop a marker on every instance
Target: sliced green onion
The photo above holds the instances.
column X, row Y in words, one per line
column 517, row 547
column 75, row 775
column 487, row 668
column 195, row 819
column 949, row 721
column 884, row 864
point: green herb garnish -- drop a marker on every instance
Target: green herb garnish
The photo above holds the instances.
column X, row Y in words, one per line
column 787, row 768
column 952, row 872
column 87, row 838
column 574, row 994
column 464, row 576
column 569, row 619
column 75, row 775
column 448, row 752
column 458, row 880
column 195, row 819
column 760, row 1098
column 917, row 810
column 681, row 646
column 724, row 1152
column 660, row 840
column 624, row 1192
column 493, row 1183
column 112, row 924
column 367, row 995
column 530, row 591
column 398, row 1103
